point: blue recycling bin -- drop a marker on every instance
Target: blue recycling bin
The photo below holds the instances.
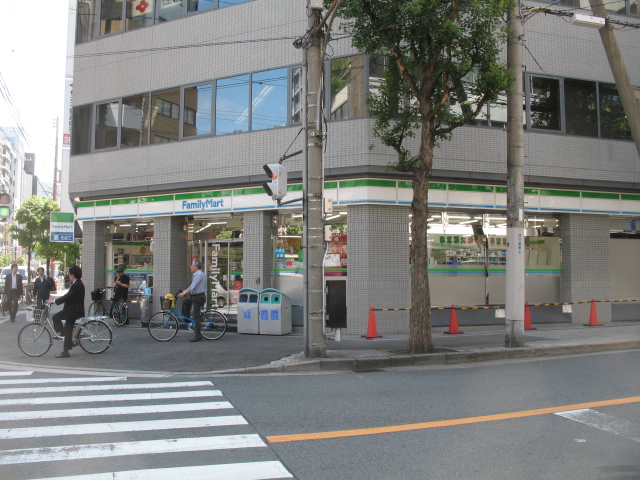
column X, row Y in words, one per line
column 275, row 312
column 248, row 315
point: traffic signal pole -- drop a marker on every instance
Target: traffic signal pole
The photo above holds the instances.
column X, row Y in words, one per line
column 315, row 341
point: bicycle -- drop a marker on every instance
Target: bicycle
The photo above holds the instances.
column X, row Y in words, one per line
column 163, row 326
column 94, row 335
column 119, row 310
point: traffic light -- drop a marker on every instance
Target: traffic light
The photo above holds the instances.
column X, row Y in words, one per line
column 277, row 187
column 5, row 205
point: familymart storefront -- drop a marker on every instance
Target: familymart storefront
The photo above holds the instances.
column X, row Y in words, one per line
column 245, row 241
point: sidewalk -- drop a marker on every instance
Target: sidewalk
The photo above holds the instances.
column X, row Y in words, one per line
column 134, row 352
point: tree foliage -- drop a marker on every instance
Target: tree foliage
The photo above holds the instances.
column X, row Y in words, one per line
column 442, row 52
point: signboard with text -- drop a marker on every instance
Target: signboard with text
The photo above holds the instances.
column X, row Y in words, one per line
column 62, row 227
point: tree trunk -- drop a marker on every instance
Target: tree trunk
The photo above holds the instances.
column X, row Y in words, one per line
column 420, row 338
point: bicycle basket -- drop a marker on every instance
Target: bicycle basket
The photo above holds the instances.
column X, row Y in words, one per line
column 96, row 295
column 39, row 313
column 167, row 302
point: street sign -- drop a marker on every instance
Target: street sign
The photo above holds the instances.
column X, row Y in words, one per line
column 62, row 227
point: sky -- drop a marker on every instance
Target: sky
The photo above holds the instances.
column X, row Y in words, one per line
column 33, row 39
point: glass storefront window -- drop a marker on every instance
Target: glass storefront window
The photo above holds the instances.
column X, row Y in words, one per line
column 165, row 113
column 544, row 101
column 347, row 87
column 613, row 121
column 269, row 99
column 288, row 255
column 296, row 95
column 110, row 16
column 197, row 110
column 106, row 125
column 81, row 130
column 232, row 105
column 140, row 14
column 135, row 116
column 85, row 20
column 580, row 103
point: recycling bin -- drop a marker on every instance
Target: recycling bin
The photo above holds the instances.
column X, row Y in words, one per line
column 248, row 316
column 275, row 312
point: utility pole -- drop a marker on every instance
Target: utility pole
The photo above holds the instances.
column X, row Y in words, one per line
column 514, row 311
column 620, row 75
column 315, row 342
column 55, row 163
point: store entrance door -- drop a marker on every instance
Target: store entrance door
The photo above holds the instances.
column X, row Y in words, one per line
column 224, row 260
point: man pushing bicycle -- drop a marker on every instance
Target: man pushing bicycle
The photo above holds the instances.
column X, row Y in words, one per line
column 192, row 306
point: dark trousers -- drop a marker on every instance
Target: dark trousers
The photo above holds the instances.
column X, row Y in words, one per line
column 192, row 306
column 67, row 330
column 41, row 299
column 14, row 298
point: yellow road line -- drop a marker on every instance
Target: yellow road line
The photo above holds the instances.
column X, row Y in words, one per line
column 447, row 423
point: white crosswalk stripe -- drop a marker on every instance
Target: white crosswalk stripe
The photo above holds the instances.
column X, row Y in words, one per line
column 119, row 429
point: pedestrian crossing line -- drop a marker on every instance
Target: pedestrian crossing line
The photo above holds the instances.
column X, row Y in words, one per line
column 97, row 388
column 146, row 447
column 270, row 470
column 62, row 380
column 124, row 397
column 114, row 427
column 605, row 422
column 15, row 374
column 123, row 410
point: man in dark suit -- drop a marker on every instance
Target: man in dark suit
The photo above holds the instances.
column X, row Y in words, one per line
column 73, row 309
column 42, row 287
column 13, row 290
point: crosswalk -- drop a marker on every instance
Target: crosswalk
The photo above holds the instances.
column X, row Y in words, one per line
column 95, row 428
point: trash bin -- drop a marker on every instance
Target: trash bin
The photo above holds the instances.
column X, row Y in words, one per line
column 144, row 309
column 275, row 312
column 247, row 319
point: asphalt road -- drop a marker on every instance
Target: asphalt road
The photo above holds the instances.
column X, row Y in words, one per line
column 532, row 445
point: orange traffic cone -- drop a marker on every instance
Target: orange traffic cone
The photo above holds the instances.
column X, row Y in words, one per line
column 453, row 322
column 593, row 316
column 372, row 330
column 527, row 317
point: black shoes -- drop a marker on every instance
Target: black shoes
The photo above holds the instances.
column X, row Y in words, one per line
column 64, row 354
column 196, row 338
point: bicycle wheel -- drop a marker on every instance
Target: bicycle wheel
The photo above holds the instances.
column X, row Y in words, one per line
column 96, row 310
column 213, row 324
column 120, row 313
column 35, row 339
column 94, row 336
column 163, row 326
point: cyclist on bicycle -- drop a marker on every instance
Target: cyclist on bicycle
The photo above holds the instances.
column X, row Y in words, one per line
column 191, row 307
column 121, row 287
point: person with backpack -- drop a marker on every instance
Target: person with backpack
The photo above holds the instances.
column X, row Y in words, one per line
column 42, row 287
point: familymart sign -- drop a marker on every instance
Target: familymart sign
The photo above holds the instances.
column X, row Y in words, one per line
column 62, row 227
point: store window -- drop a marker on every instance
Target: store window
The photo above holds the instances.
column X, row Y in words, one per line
column 544, row 102
column 200, row 5
column 106, row 125
column 135, row 116
column 347, row 87
column 85, row 20
column 140, row 13
column 232, row 105
column 110, row 16
column 580, row 104
column 165, row 114
column 81, row 130
column 296, row 95
column 288, row 255
column 613, row 121
column 269, row 99
column 196, row 119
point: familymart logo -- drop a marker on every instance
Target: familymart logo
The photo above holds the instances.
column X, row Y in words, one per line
column 202, row 204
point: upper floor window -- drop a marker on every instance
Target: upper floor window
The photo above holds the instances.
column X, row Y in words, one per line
column 620, row 7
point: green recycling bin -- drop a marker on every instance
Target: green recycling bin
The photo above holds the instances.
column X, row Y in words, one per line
column 248, row 315
column 275, row 312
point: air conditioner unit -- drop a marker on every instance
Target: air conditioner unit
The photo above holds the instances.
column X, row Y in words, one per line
column 583, row 20
column 316, row 4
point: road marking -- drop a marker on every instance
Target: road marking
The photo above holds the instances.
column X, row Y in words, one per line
column 124, row 410
column 62, row 380
column 14, row 374
column 124, row 397
column 231, row 471
column 605, row 422
column 446, row 423
column 146, row 447
column 139, row 426
column 93, row 388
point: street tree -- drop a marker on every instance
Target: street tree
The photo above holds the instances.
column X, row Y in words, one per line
column 32, row 223
column 60, row 251
column 443, row 67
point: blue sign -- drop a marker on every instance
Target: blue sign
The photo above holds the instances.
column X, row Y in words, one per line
column 61, row 237
column 264, row 314
column 247, row 314
column 275, row 315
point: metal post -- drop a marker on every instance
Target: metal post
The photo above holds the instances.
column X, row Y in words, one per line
column 514, row 318
column 313, row 220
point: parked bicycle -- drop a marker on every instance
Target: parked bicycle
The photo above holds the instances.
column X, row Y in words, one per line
column 119, row 310
column 163, row 326
column 94, row 335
